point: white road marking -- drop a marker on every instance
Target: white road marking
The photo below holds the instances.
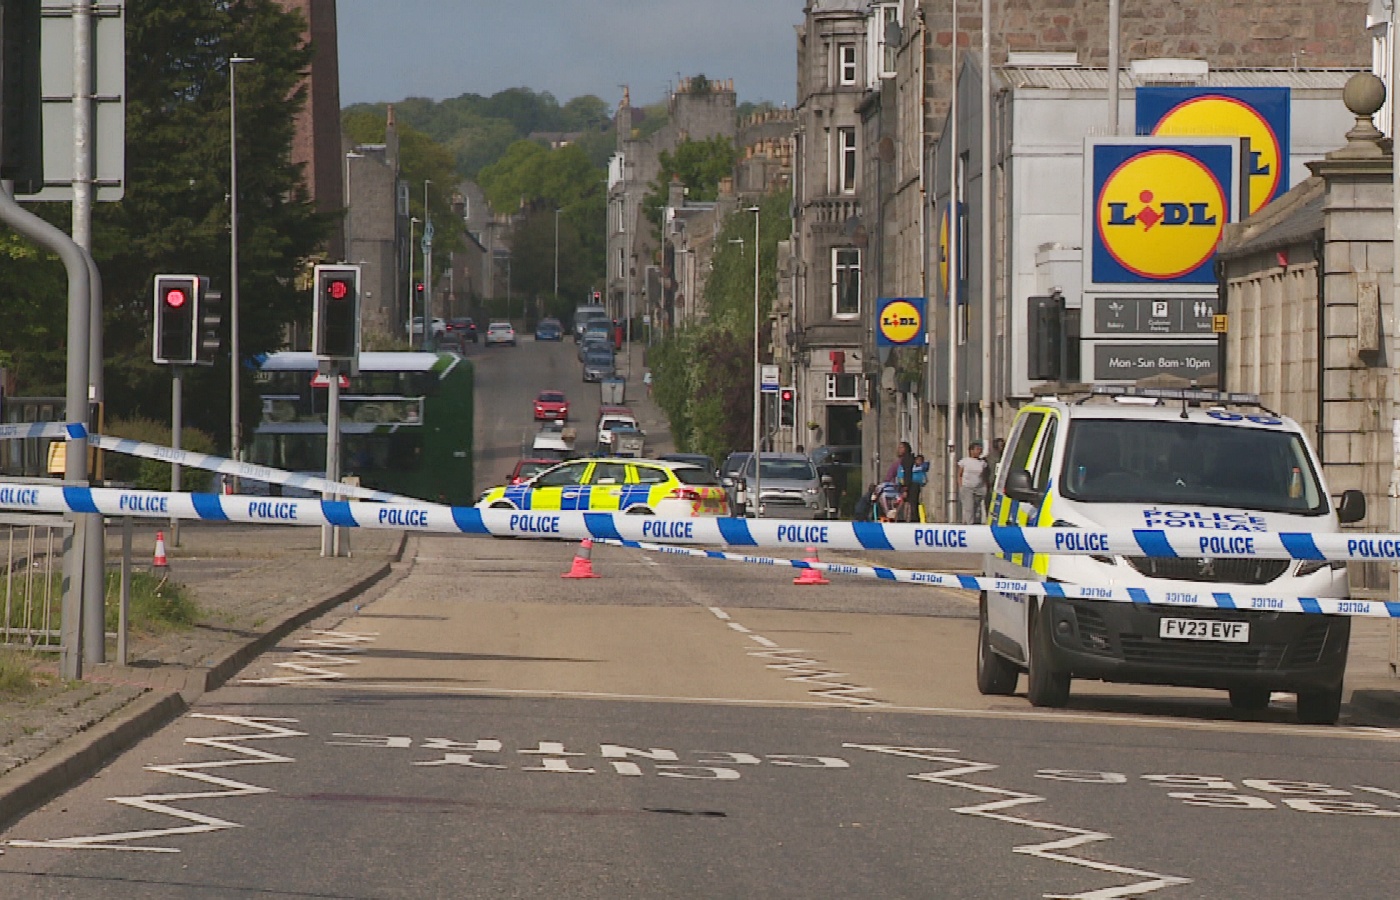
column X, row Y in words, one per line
column 739, row 628
column 719, row 613
column 809, row 671
column 1375, row 790
column 311, row 665
column 264, row 729
column 1146, row 882
column 761, row 640
column 1027, row 715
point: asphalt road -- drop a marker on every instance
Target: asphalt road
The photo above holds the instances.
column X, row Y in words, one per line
column 480, row 727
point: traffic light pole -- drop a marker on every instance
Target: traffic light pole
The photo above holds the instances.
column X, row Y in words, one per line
column 177, row 416
column 331, row 536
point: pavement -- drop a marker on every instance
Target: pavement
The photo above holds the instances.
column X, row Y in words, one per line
column 255, row 585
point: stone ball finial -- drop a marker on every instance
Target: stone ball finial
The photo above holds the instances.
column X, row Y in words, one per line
column 1364, row 94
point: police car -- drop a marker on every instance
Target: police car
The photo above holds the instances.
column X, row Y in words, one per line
column 1215, row 466
column 634, row 486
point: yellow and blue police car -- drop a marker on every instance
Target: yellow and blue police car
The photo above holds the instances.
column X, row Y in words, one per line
column 634, row 486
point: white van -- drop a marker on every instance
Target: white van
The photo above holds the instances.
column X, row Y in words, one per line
column 1124, row 458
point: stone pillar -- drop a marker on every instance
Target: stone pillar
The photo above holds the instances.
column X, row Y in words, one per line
column 1357, row 263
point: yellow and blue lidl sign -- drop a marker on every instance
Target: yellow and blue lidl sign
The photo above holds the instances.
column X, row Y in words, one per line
column 1158, row 210
column 1261, row 114
column 899, row 321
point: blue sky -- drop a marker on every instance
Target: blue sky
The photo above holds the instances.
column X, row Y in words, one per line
column 392, row 49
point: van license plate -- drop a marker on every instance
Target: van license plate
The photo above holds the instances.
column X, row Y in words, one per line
column 1205, row 630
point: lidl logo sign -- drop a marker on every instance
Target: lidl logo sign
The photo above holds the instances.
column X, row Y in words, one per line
column 900, row 321
column 1159, row 211
column 943, row 251
column 1259, row 114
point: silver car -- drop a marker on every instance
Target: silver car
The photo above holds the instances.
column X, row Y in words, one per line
column 789, row 487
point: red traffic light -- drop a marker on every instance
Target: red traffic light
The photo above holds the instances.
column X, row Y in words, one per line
column 787, row 395
column 418, row 286
column 176, row 298
column 337, row 290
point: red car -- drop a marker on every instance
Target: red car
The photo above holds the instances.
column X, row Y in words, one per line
column 528, row 468
column 552, row 405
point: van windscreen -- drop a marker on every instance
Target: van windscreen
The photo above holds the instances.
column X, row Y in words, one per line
column 1187, row 463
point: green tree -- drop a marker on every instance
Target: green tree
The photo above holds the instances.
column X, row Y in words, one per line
column 175, row 214
column 699, row 165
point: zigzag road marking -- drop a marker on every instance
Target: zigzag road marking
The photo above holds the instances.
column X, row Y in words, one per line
column 263, row 729
column 1054, row 851
column 311, row 665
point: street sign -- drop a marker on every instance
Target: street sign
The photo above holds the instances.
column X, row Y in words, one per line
column 108, row 101
column 1220, row 323
column 321, row 381
column 768, row 379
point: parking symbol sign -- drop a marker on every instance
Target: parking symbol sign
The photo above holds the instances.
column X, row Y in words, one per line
column 1160, row 309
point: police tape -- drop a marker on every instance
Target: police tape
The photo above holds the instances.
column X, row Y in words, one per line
column 191, row 460
column 1014, row 542
column 1057, row 589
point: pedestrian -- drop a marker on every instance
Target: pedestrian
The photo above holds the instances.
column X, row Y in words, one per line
column 898, row 476
column 972, row 484
column 646, row 380
column 918, row 477
column 993, row 466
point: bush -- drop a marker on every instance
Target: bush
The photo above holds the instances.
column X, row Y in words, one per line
column 157, row 605
column 17, row 676
column 150, row 474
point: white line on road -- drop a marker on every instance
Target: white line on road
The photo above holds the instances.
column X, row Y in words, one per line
column 264, row 729
column 311, row 665
column 1050, row 850
column 809, row 671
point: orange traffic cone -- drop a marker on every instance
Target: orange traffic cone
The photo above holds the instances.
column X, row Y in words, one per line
column 160, row 562
column 811, row 576
column 583, row 562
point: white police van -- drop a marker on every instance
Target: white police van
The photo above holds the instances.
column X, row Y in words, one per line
column 1211, row 464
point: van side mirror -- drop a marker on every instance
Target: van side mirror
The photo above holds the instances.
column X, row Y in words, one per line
column 1018, row 487
column 1352, row 507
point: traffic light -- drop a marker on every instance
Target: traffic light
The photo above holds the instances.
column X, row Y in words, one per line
column 335, row 325
column 174, row 336
column 210, row 313
column 787, row 407
column 598, row 297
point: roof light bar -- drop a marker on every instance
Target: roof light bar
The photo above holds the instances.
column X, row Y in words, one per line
column 1186, row 394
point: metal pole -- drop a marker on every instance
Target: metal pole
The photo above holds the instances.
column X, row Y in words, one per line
column 75, row 262
column 177, row 418
column 427, row 268
column 954, row 277
column 985, row 219
column 94, row 581
column 124, row 596
column 1394, row 38
column 627, row 279
column 412, row 220
column 556, row 255
column 757, row 383
column 1114, row 26
column 235, row 422
column 329, row 542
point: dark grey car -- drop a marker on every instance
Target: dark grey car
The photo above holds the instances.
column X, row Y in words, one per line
column 598, row 364
column 789, row 487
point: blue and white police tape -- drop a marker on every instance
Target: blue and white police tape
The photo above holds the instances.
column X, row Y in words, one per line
column 1190, row 599
column 26, row 430
column 907, row 538
column 192, row 460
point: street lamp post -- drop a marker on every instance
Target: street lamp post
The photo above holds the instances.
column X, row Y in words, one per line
column 412, row 220
column 556, row 255
column 427, row 266
column 757, row 380
column 235, row 425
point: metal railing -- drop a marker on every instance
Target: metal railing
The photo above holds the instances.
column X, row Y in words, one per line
column 31, row 596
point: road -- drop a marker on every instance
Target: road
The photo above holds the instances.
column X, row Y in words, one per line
column 480, row 727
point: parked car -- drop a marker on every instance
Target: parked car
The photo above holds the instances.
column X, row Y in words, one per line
column 500, row 333
column 549, row 330
column 552, row 405
column 463, row 328
column 439, row 327
column 585, row 314
column 695, row 459
column 730, row 472
column 529, row 467
column 638, row 486
column 788, row 487
column 608, row 423
column 598, row 364
column 593, row 341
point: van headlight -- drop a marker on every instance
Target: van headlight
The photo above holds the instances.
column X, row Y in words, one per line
column 1106, row 560
column 1309, row 566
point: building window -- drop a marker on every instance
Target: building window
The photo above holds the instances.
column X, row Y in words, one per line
column 847, row 63
column 888, row 15
column 845, row 282
column 842, row 387
column 846, row 158
column 621, row 263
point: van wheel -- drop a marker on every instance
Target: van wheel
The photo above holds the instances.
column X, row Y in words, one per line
column 639, row 511
column 996, row 675
column 1320, row 707
column 1045, row 685
column 1250, row 698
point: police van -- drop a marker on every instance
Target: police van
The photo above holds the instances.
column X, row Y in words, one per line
column 1210, row 464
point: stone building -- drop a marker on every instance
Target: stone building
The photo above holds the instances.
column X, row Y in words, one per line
column 699, row 109
column 905, row 115
column 316, row 143
column 1307, row 288
column 376, row 233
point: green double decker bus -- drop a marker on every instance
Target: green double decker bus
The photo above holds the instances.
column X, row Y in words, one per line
column 405, row 422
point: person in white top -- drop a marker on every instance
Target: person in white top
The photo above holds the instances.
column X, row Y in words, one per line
column 972, row 484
